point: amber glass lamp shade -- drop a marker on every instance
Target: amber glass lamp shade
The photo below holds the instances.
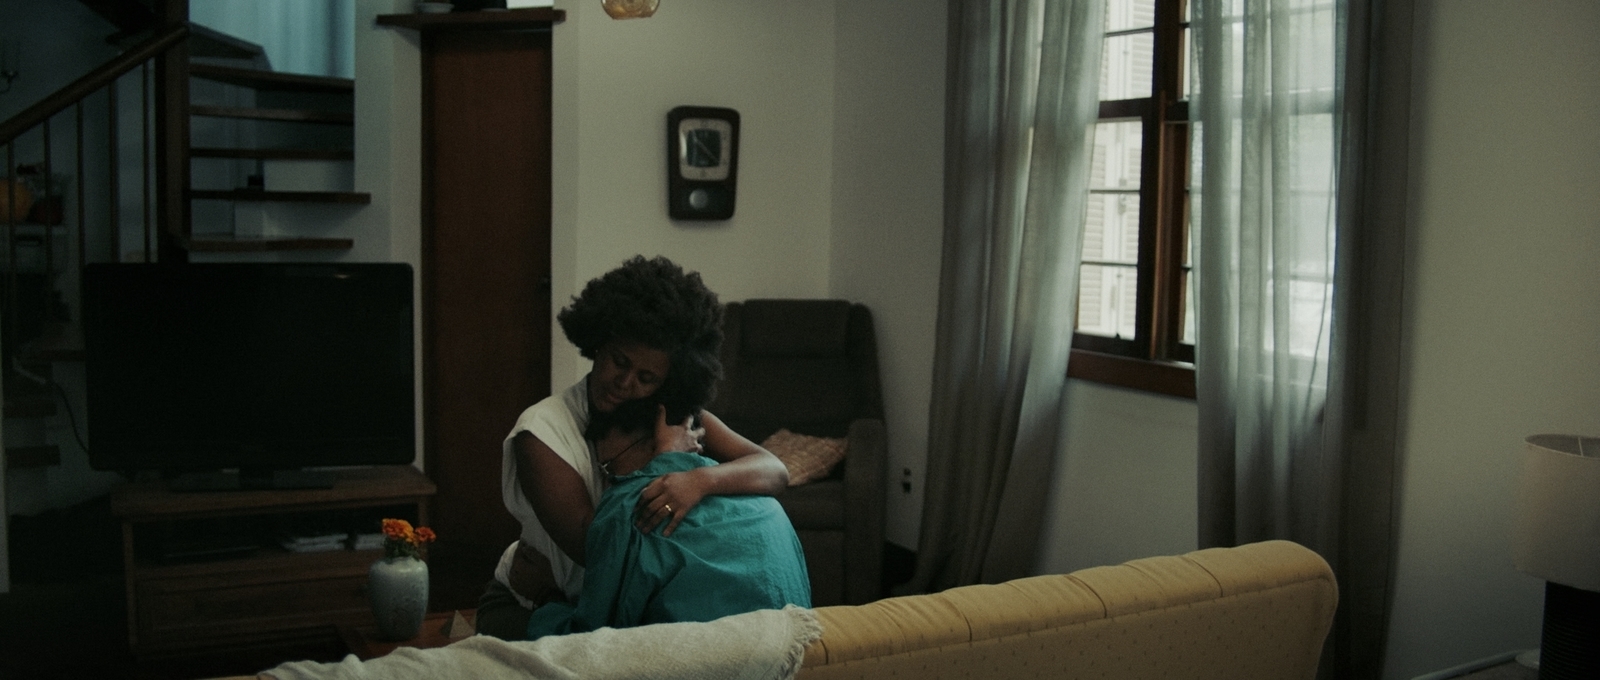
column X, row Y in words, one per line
column 629, row 9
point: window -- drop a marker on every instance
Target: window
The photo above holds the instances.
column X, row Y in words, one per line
column 1135, row 308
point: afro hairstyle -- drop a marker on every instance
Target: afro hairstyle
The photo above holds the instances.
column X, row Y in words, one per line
column 656, row 303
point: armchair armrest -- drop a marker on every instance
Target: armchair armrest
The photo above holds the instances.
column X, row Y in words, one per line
column 865, row 478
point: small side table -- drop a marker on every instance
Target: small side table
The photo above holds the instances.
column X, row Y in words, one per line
column 363, row 641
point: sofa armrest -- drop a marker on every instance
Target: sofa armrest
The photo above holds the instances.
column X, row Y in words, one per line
column 865, row 479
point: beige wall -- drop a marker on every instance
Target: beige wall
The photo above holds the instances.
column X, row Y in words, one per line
column 1502, row 308
column 615, row 82
column 840, row 109
column 888, row 190
column 388, row 144
column 1125, row 481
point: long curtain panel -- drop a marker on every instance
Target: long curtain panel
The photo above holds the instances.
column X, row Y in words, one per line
column 1265, row 227
column 1022, row 100
column 1302, row 110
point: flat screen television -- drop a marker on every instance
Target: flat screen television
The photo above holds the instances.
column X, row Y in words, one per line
column 245, row 375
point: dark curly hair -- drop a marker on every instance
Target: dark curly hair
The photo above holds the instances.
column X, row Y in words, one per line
column 656, row 303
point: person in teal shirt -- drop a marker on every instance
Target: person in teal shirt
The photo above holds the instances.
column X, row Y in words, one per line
column 729, row 555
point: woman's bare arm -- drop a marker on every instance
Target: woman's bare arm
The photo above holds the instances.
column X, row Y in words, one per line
column 556, row 492
column 745, row 469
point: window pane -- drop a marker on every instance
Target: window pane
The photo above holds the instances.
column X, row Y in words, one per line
column 1122, row 15
column 1118, row 149
column 1126, row 63
column 1188, row 307
column 1111, row 232
column 1186, row 73
column 1106, row 298
column 1188, row 262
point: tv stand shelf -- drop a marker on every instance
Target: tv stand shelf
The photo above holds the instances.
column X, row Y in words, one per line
column 269, row 596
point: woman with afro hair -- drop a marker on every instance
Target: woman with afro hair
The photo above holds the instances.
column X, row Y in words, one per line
column 653, row 332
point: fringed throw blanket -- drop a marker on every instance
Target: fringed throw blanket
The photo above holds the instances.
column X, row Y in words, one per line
column 765, row 644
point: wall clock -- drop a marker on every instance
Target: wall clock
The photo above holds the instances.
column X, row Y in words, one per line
column 702, row 162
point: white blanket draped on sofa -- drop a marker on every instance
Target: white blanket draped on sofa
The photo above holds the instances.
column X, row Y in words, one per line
column 762, row 644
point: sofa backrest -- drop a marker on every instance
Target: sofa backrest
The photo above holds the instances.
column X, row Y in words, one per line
column 1255, row 611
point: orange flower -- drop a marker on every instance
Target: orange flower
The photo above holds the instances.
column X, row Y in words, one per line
column 401, row 540
column 397, row 529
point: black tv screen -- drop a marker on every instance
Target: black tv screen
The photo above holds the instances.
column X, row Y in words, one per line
column 258, row 366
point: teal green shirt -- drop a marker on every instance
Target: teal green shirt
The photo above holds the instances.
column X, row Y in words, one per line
column 730, row 555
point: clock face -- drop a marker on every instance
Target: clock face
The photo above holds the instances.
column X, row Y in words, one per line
column 702, row 162
column 703, row 148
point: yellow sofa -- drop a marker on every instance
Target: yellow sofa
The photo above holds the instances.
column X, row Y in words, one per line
column 1255, row 611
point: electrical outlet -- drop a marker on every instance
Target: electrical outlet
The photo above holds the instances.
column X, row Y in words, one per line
column 905, row 480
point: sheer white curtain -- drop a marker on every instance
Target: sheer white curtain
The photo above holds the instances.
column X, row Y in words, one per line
column 1303, row 115
column 1023, row 83
column 1268, row 129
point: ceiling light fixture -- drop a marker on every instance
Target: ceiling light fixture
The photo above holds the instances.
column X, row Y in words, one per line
column 629, row 9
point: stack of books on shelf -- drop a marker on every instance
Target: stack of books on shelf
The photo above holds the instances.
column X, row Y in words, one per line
column 372, row 541
column 317, row 543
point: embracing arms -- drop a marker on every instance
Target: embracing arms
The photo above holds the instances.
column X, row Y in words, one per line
column 745, row 469
column 562, row 503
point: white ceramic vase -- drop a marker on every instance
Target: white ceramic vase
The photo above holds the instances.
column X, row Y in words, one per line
column 398, row 587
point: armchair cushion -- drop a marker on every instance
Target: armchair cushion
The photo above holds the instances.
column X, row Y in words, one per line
column 807, row 458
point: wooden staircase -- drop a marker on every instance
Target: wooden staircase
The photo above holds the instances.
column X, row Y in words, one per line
column 235, row 160
column 282, row 101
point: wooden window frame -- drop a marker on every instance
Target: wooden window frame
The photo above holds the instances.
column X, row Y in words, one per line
column 1155, row 359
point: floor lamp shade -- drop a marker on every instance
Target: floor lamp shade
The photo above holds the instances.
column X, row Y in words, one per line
column 1558, row 539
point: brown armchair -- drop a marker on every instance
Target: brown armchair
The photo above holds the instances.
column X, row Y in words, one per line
column 811, row 366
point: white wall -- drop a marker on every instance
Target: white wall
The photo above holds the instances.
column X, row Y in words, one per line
column 615, row 82
column 1502, row 309
column 1125, row 480
column 888, row 158
column 388, row 143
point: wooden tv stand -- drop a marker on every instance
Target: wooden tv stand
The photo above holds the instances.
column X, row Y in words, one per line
column 251, row 597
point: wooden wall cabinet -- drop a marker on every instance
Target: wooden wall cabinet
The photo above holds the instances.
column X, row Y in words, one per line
column 485, row 276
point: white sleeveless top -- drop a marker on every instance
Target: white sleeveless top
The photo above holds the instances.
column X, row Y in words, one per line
column 558, row 421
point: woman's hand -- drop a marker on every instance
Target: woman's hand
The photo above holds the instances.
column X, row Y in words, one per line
column 669, row 497
column 744, row 468
column 681, row 437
